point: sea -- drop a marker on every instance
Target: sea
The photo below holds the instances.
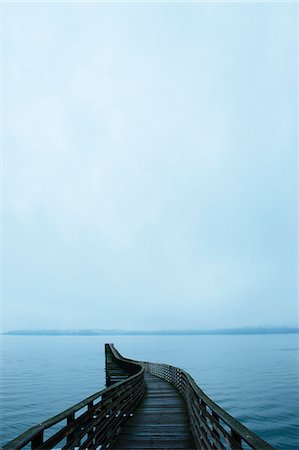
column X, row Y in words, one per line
column 253, row 377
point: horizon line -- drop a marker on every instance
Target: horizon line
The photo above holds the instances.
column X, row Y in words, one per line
column 110, row 332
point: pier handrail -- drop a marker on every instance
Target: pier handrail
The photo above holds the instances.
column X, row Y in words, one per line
column 100, row 415
column 97, row 420
column 211, row 426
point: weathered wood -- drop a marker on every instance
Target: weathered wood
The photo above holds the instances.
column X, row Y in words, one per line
column 171, row 413
column 211, row 426
column 106, row 411
column 37, row 440
column 161, row 420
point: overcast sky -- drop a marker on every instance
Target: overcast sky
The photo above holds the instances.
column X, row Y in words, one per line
column 149, row 165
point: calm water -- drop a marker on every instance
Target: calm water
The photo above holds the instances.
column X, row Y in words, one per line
column 255, row 378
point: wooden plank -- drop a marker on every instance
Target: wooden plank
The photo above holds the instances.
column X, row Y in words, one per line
column 161, row 420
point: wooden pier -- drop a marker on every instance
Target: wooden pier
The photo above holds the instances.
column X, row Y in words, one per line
column 161, row 420
column 145, row 406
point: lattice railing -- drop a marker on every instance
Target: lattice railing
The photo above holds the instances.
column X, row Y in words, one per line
column 97, row 420
column 212, row 427
column 92, row 423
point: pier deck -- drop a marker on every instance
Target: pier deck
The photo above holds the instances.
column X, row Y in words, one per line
column 145, row 406
column 161, row 420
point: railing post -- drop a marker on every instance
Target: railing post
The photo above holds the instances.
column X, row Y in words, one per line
column 107, row 365
column 38, row 440
column 214, row 427
column 90, row 433
column 70, row 437
column 236, row 441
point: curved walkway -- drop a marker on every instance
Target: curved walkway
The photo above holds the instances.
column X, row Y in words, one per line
column 161, row 420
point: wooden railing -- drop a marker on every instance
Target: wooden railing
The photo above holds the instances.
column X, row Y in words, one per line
column 97, row 420
column 94, row 422
column 211, row 426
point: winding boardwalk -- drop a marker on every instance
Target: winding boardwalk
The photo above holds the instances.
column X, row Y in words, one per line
column 145, row 406
column 161, row 421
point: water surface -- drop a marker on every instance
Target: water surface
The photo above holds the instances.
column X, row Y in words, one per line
column 254, row 377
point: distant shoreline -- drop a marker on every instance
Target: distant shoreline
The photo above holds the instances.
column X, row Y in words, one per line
column 91, row 332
